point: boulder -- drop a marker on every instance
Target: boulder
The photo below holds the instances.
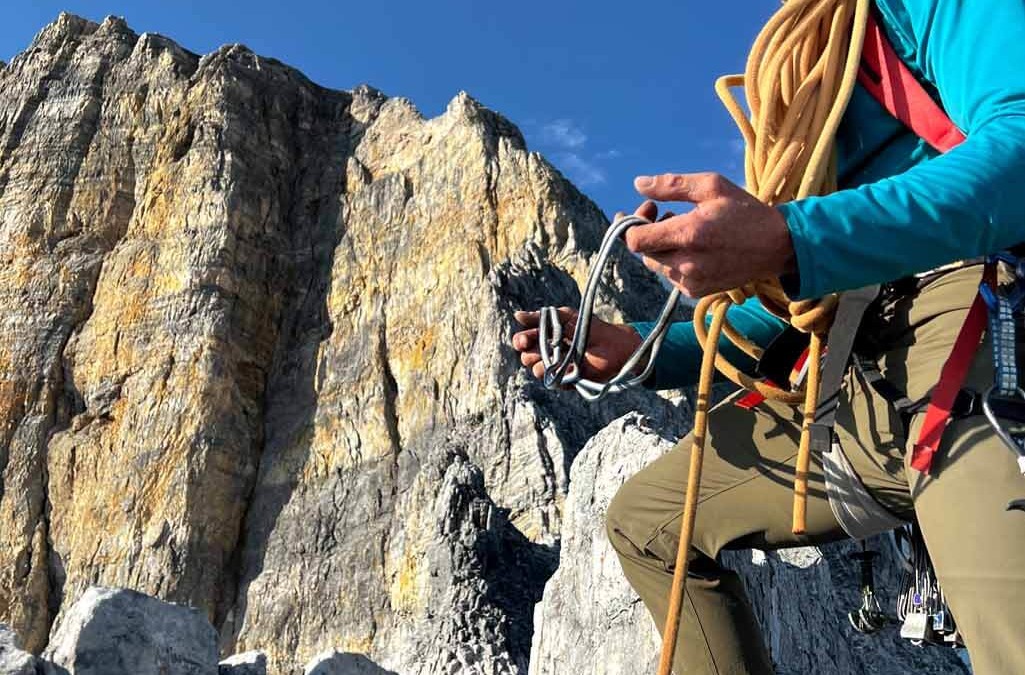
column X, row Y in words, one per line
column 335, row 663
column 111, row 631
column 246, row 663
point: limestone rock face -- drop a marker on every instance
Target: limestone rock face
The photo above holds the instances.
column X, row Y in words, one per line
column 120, row 632
column 253, row 354
column 591, row 621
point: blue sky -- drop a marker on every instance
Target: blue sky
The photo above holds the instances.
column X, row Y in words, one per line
column 605, row 90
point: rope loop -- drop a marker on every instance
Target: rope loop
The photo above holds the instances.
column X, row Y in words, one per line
column 799, row 78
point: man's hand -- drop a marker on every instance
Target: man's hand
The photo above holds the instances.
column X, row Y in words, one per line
column 609, row 345
column 730, row 238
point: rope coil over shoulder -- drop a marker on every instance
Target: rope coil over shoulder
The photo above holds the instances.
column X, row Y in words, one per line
column 799, row 78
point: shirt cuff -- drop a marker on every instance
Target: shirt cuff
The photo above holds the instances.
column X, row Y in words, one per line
column 802, row 284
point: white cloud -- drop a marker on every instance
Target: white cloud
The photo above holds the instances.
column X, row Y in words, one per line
column 563, row 133
column 581, row 171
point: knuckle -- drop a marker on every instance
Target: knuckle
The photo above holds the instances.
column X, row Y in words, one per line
column 698, row 238
column 714, row 182
column 673, row 180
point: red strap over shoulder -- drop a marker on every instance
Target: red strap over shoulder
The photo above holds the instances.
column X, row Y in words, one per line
column 890, row 82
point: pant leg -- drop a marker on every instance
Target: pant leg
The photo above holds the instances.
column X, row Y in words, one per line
column 976, row 545
column 746, row 501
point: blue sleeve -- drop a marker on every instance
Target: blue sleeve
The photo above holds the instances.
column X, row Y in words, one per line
column 966, row 203
column 679, row 362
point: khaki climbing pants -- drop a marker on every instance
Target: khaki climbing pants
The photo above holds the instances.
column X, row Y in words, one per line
column 977, row 546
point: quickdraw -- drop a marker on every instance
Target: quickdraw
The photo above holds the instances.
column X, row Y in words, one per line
column 563, row 364
column 1005, row 304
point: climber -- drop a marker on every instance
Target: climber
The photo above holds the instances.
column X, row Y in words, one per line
column 903, row 215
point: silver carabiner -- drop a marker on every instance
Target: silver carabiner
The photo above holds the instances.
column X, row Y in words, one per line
column 1001, row 432
column 563, row 365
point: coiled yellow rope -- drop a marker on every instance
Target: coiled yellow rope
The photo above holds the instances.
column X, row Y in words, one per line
column 799, row 78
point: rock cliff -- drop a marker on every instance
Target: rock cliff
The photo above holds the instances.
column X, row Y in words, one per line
column 252, row 353
column 253, row 361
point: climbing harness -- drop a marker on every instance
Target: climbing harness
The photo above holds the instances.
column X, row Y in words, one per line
column 1005, row 304
column 563, row 365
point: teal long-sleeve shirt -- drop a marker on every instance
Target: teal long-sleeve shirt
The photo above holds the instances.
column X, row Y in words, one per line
column 902, row 208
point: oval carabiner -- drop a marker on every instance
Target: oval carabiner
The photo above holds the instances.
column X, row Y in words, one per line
column 1001, row 432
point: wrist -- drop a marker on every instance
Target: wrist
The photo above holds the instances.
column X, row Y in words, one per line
column 786, row 255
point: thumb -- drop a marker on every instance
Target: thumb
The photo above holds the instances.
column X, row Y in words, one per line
column 683, row 187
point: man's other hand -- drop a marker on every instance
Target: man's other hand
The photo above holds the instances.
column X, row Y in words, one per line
column 730, row 238
column 609, row 345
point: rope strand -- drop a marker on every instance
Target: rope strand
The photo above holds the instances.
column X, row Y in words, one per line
column 799, row 78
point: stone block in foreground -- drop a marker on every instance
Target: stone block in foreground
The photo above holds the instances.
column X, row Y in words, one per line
column 111, row 631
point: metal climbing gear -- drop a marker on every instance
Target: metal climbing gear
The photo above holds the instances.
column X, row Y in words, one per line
column 1005, row 303
column 869, row 617
column 921, row 606
column 563, row 363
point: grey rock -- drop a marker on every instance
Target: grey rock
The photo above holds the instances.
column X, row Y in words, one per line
column 242, row 319
column 14, row 661
column 335, row 663
column 591, row 621
column 246, row 663
column 121, row 632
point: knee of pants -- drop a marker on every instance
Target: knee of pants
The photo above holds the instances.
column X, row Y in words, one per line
column 630, row 520
column 618, row 518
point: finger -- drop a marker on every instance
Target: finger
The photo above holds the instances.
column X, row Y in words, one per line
column 662, row 235
column 667, row 215
column 568, row 319
column 669, row 272
column 538, row 370
column 528, row 319
column 525, row 339
column 684, row 187
column 647, row 210
column 654, row 265
column 674, row 266
column 528, row 359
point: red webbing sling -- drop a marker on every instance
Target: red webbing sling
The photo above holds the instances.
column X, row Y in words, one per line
column 890, row 82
